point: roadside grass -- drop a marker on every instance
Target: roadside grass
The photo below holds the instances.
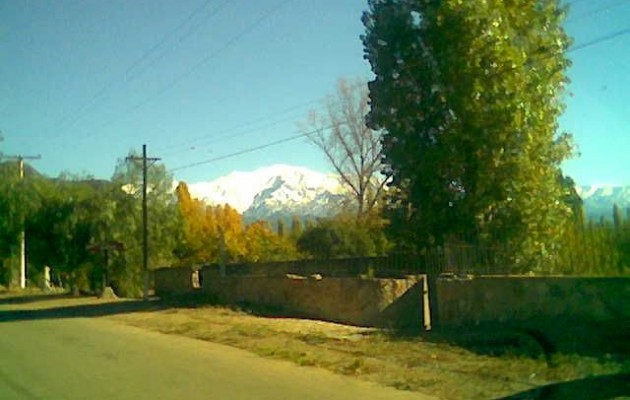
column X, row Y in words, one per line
column 426, row 363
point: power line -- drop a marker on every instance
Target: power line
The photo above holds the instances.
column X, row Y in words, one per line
column 182, row 25
column 597, row 11
column 274, row 143
column 248, row 150
column 599, row 40
column 186, row 146
column 129, row 75
column 227, row 137
column 196, row 66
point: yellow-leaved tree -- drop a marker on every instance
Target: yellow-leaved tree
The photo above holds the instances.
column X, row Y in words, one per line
column 263, row 244
column 216, row 234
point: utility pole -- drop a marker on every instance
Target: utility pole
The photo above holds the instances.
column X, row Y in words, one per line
column 145, row 216
column 20, row 159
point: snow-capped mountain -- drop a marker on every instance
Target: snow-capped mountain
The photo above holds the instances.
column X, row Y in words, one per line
column 273, row 192
column 280, row 191
column 600, row 199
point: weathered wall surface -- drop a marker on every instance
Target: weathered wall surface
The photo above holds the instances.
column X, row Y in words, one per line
column 173, row 281
column 338, row 268
column 521, row 299
column 356, row 301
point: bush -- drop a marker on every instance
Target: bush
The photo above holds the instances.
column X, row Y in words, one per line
column 342, row 237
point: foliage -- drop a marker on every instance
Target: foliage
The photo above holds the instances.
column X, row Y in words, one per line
column 469, row 93
column 281, row 227
column 351, row 147
column 596, row 249
column 122, row 219
column 18, row 200
column 262, row 244
column 296, row 227
column 60, row 231
column 344, row 236
column 215, row 234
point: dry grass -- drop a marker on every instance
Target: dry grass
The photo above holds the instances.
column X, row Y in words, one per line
column 427, row 364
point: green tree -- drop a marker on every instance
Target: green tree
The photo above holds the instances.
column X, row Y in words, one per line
column 124, row 222
column 617, row 218
column 263, row 244
column 18, row 201
column 344, row 236
column 469, row 93
column 61, row 230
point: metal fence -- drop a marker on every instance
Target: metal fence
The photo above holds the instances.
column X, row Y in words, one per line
column 452, row 259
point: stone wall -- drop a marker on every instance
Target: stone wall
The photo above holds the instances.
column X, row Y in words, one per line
column 173, row 281
column 520, row 299
column 355, row 301
column 339, row 268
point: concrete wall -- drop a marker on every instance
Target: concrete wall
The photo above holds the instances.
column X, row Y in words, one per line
column 522, row 299
column 355, row 301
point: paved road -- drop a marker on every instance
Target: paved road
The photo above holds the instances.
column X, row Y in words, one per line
column 56, row 358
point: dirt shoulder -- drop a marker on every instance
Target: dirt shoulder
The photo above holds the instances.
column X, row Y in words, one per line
column 427, row 363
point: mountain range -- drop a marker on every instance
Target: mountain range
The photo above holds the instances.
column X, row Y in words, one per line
column 280, row 191
column 599, row 200
column 274, row 192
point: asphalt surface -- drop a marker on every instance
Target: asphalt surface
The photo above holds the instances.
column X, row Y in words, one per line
column 67, row 357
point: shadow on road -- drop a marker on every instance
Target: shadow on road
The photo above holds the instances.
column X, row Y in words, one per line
column 80, row 311
column 33, row 298
column 605, row 387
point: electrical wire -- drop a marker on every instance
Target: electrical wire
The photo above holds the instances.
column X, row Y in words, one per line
column 188, row 145
column 133, row 71
column 277, row 142
column 231, row 136
column 171, row 84
column 599, row 40
column 182, row 25
column 185, row 145
column 248, row 150
column 596, row 11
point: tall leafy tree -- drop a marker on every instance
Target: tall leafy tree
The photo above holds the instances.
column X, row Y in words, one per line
column 263, row 244
column 61, row 230
column 124, row 222
column 215, row 234
column 18, row 201
column 469, row 93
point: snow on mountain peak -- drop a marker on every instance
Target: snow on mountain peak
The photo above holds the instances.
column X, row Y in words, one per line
column 272, row 189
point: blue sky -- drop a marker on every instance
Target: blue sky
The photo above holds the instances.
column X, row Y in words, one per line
column 83, row 82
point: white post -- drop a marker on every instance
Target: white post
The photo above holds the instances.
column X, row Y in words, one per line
column 22, row 237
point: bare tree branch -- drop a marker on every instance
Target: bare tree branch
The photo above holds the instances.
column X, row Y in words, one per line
column 353, row 149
